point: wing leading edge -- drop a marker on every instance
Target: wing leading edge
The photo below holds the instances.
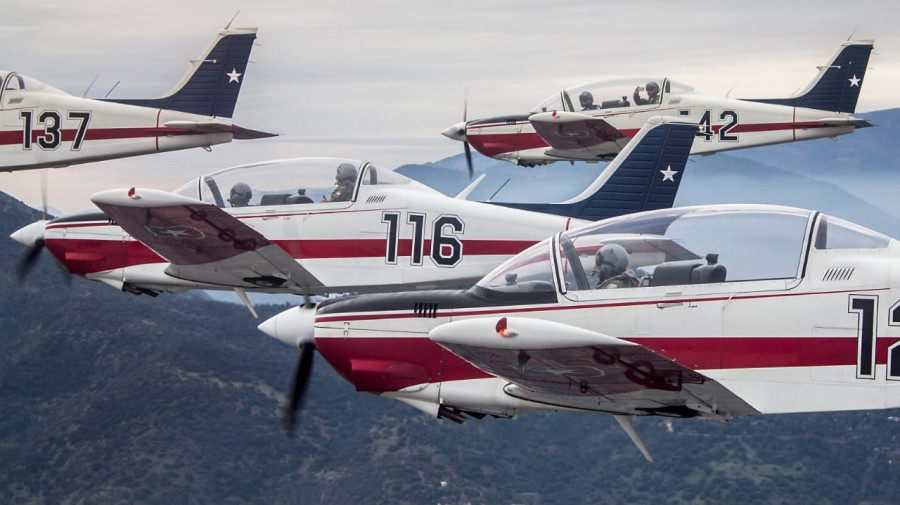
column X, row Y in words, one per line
column 202, row 242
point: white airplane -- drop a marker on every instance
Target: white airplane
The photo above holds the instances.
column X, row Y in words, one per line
column 288, row 230
column 594, row 121
column 41, row 126
column 710, row 312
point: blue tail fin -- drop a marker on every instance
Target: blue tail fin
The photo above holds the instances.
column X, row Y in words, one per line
column 211, row 86
column 644, row 176
column 836, row 87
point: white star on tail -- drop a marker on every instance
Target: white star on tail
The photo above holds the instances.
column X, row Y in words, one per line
column 233, row 76
column 668, row 174
column 854, row 81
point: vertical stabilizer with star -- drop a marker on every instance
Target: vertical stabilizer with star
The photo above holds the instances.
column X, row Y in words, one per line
column 645, row 175
column 212, row 84
column 836, row 87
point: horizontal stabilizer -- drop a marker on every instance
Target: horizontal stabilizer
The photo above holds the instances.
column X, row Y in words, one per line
column 238, row 132
column 846, row 121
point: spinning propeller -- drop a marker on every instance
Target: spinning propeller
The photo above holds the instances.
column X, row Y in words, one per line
column 303, row 370
column 32, row 236
column 458, row 132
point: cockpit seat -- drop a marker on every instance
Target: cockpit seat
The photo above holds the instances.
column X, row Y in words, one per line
column 671, row 274
column 273, row 199
column 704, row 274
column 297, row 199
column 687, row 273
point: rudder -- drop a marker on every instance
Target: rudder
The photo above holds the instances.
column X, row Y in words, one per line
column 837, row 85
column 212, row 85
column 646, row 175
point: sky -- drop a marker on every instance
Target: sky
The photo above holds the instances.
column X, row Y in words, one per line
column 379, row 81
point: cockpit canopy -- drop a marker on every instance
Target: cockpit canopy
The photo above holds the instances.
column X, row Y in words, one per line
column 289, row 181
column 18, row 82
column 611, row 94
column 690, row 245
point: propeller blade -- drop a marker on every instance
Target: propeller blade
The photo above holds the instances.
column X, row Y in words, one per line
column 466, row 146
column 469, row 159
column 301, row 379
column 26, row 264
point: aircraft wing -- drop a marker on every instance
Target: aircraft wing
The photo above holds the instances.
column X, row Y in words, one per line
column 573, row 130
column 202, row 242
column 554, row 362
column 238, row 132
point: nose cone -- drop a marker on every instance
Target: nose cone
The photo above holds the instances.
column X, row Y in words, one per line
column 293, row 326
column 29, row 235
column 456, row 132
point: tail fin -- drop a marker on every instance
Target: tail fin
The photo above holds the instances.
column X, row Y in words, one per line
column 836, row 87
column 211, row 86
column 644, row 176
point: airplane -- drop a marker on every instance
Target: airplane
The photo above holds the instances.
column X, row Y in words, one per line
column 280, row 235
column 592, row 122
column 709, row 312
column 44, row 127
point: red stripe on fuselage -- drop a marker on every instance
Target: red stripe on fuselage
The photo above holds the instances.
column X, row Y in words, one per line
column 437, row 363
column 492, row 144
column 14, row 137
column 95, row 255
column 698, row 353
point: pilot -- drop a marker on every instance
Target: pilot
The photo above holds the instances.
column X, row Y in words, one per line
column 652, row 94
column 345, row 178
column 240, row 195
column 609, row 267
column 587, row 101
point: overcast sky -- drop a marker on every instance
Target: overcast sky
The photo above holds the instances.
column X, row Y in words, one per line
column 380, row 80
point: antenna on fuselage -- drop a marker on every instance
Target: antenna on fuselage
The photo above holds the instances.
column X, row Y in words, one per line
column 89, row 86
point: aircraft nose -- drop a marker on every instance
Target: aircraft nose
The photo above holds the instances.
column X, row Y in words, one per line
column 29, row 235
column 456, row 132
column 293, row 326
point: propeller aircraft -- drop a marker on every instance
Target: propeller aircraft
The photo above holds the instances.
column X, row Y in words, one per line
column 282, row 227
column 593, row 122
column 709, row 312
column 41, row 126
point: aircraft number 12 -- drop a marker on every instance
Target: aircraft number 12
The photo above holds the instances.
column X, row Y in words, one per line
column 51, row 121
column 446, row 248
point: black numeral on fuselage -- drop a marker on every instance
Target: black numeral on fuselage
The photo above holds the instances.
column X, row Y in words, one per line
column 51, row 122
column 866, row 309
column 705, row 128
column 446, row 248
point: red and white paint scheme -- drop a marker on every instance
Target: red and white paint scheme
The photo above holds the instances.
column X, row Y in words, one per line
column 592, row 122
column 43, row 127
column 732, row 311
column 279, row 227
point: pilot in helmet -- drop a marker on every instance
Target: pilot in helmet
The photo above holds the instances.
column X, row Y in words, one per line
column 240, row 195
column 587, row 101
column 652, row 94
column 610, row 266
column 345, row 178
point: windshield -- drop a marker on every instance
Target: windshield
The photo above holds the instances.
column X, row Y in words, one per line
column 18, row 82
column 528, row 271
column 834, row 233
column 619, row 93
